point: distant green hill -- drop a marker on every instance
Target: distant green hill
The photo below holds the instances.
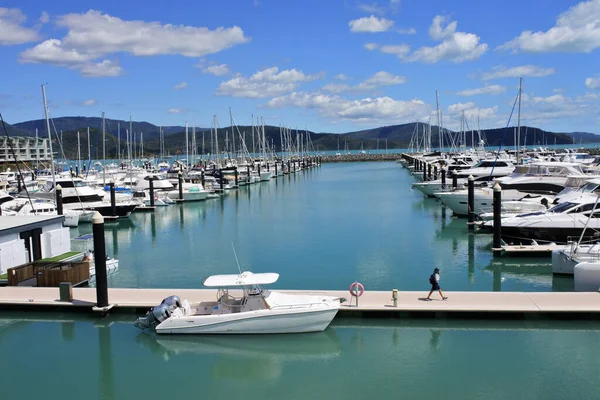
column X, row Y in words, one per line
column 67, row 124
column 397, row 136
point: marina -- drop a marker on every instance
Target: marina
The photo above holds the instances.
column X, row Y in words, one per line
column 300, row 200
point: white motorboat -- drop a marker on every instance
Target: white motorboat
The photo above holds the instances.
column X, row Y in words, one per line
column 562, row 223
column 190, row 191
column 266, row 175
column 541, row 177
column 256, row 311
column 457, row 200
column 490, row 168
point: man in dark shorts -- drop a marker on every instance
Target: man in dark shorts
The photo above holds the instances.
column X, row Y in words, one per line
column 434, row 279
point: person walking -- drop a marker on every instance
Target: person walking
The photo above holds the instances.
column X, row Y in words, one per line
column 434, row 279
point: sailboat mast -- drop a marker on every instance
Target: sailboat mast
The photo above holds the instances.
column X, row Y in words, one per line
column 119, row 141
column 49, row 137
column 78, row 152
column 437, row 106
column 519, row 120
column 253, row 144
column 89, row 145
column 103, row 151
column 187, row 150
column 37, row 151
column 129, row 142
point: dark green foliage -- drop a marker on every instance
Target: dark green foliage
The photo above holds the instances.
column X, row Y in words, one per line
column 398, row 136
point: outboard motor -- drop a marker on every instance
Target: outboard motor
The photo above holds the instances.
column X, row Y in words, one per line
column 172, row 302
column 154, row 317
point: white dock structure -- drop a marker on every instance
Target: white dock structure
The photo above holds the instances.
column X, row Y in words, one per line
column 462, row 304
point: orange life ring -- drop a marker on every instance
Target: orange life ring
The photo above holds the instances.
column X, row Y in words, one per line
column 361, row 289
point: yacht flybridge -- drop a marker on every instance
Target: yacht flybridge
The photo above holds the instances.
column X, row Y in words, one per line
column 250, row 309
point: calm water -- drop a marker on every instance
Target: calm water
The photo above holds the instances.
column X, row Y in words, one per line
column 110, row 359
column 320, row 229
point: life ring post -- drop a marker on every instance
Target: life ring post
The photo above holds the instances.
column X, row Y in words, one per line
column 356, row 290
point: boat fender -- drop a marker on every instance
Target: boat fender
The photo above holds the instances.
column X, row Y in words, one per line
column 353, row 288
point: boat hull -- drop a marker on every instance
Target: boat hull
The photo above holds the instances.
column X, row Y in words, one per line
column 523, row 234
column 266, row 321
column 189, row 196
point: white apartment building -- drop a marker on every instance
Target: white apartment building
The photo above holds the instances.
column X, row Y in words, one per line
column 26, row 149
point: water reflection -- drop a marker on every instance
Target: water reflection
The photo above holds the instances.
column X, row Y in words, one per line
column 434, row 340
column 471, row 257
column 533, row 272
column 107, row 387
column 247, row 357
column 153, row 228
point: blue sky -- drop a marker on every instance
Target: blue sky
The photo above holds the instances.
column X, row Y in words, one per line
column 329, row 66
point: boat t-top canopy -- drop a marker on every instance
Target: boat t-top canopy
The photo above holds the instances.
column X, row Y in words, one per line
column 246, row 278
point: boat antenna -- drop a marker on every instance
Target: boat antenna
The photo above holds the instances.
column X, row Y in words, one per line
column 236, row 258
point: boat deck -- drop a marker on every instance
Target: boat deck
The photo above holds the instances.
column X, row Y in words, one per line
column 372, row 302
column 534, row 250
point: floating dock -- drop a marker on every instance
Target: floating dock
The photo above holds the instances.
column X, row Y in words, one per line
column 517, row 305
column 530, row 250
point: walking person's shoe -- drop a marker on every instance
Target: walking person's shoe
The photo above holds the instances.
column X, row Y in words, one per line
column 444, row 298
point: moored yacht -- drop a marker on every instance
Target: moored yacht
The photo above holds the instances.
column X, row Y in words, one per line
column 255, row 311
column 541, row 177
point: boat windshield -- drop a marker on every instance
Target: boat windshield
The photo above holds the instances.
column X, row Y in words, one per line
column 562, row 207
column 254, row 290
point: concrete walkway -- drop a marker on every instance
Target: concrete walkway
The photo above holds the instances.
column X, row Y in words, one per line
column 371, row 301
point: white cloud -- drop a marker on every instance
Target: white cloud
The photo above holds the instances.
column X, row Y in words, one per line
column 44, row 18
column 176, row 110
column 12, row 30
column 394, row 4
column 265, row 83
column 217, row 70
column 455, row 46
column 370, row 24
column 577, row 30
column 101, row 69
column 341, row 77
column 399, row 51
column 367, row 110
column 336, row 87
column 532, row 71
column 383, row 78
column 539, row 109
column 487, row 89
column 592, row 83
column 52, row 51
column 371, row 8
column 88, row 103
column 471, row 112
column 375, row 81
column 94, row 35
column 375, row 8
column 371, row 46
column 181, row 85
column 409, row 31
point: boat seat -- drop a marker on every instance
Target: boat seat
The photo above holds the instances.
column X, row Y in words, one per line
column 187, row 308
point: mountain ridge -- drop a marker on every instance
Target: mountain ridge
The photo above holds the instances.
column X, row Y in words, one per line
column 395, row 136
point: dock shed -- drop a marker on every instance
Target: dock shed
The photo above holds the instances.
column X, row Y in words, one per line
column 24, row 239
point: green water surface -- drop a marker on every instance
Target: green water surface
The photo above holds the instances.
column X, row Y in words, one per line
column 319, row 229
column 54, row 356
